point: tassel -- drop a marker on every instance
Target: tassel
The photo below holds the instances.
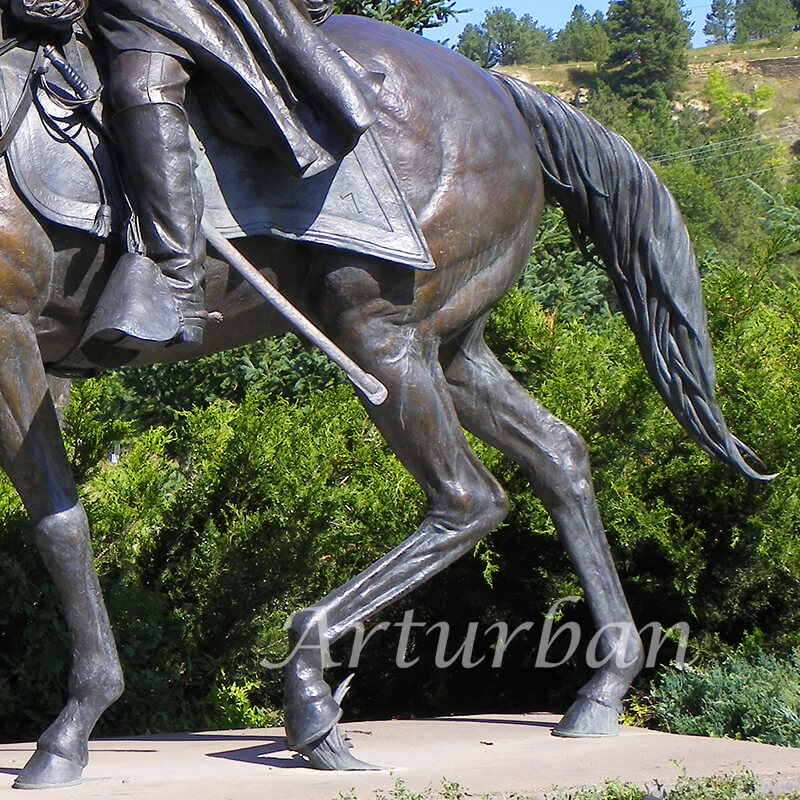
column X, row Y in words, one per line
column 102, row 222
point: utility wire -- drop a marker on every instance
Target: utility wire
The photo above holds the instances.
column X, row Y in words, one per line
column 770, row 132
column 723, row 142
column 702, row 149
column 731, row 152
column 757, row 172
column 721, row 147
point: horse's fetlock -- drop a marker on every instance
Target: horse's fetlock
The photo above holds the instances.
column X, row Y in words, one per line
column 634, row 651
column 113, row 686
column 309, row 625
column 500, row 505
column 99, row 686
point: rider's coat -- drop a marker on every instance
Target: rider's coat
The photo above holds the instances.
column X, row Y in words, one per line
column 277, row 67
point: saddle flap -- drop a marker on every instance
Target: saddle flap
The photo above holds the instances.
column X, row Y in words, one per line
column 56, row 158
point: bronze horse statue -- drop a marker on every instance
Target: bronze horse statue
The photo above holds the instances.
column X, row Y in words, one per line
column 476, row 155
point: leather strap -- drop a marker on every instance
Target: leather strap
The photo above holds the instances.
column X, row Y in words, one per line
column 23, row 104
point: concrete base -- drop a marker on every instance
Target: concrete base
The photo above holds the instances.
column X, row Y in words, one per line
column 493, row 754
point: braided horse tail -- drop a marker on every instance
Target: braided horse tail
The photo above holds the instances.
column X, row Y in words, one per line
column 614, row 199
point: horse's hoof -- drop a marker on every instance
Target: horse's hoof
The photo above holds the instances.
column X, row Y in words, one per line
column 588, row 718
column 311, row 720
column 48, row 771
column 332, row 751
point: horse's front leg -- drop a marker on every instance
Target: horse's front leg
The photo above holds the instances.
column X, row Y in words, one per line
column 465, row 503
column 32, row 454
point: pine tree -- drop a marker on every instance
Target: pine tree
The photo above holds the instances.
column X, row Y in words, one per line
column 583, row 38
column 764, row 19
column 649, row 44
column 504, row 39
column 413, row 15
column 721, row 22
column 475, row 45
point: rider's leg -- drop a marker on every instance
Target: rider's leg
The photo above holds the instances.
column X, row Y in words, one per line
column 147, row 94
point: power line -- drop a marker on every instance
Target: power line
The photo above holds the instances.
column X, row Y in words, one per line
column 714, row 153
column 727, row 146
column 702, row 149
column 731, row 152
column 757, row 172
column 770, row 132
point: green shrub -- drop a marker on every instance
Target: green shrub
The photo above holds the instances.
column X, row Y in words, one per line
column 741, row 786
column 237, row 504
column 693, row 541
column 755, row 698
column 207, row 534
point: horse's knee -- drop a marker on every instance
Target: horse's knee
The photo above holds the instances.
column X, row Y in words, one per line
column 62, row 539
column 470, row 510
column 575, row 454
column 495, row 507
column 63, row 529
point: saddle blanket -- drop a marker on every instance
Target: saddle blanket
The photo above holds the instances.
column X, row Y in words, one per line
column 357, row 205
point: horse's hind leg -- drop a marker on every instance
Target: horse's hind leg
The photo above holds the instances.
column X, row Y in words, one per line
column 32, row 454
column 493, row 406
column 465, row 503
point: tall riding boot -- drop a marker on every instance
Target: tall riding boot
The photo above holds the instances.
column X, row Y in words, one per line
column 157, row 297
column 160, row 167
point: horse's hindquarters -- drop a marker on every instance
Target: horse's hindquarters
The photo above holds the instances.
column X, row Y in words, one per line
column 461, row 150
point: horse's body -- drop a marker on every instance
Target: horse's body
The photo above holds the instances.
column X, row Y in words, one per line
column 464, row 147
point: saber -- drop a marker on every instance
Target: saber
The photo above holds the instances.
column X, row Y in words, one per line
column 368, row 384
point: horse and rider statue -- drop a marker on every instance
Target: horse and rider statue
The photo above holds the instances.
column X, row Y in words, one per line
column 469, row 158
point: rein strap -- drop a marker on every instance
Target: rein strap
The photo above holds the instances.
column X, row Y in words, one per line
column 25, row 100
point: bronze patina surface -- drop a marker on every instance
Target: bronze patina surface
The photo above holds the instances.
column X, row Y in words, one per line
column 476, row 156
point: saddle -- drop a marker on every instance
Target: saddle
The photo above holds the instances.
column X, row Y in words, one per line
column 64, row 166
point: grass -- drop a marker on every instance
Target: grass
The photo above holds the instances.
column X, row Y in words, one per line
column 577, row 74
column 581, row 73
column 748, row 51
column 739, row 786
column 785, row 107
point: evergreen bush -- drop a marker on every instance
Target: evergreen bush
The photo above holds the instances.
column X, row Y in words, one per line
column 756, row 698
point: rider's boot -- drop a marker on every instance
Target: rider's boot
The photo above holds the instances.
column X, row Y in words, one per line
column 160, row 169
column 169, row 205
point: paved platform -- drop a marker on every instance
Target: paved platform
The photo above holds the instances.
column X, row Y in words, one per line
column 493, row 754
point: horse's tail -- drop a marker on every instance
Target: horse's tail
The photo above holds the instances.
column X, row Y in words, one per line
column 613, row 198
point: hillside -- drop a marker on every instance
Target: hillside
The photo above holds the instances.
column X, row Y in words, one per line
column 746, row 66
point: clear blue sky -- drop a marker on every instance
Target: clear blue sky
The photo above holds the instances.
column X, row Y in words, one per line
column 551, row 14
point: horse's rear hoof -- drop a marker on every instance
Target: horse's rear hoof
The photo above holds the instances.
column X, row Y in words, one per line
column 332, row 752
column 47, row 771
column 588, row 718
